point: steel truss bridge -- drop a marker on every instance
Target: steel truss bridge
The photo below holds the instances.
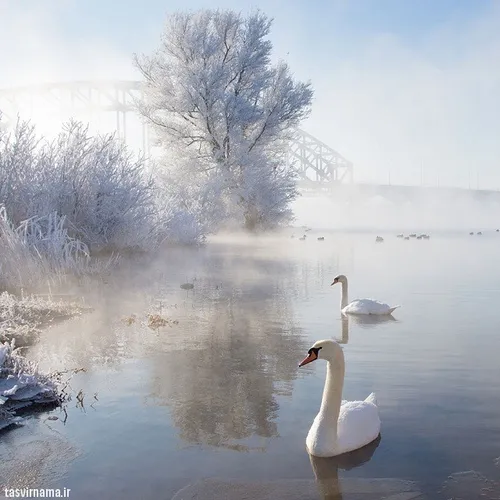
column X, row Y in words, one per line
column 82, row 100
column 319, row 167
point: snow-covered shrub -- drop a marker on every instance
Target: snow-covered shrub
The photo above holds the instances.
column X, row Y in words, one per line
column 38, row 250
column 184, row 228
column 82, row 193
column 186, row 211
column 20, row 172
column 102, row 189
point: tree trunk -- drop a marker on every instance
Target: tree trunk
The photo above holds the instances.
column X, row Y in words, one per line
column 252, row 218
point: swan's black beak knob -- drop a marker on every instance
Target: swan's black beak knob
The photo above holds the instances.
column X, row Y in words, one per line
column 312, row 355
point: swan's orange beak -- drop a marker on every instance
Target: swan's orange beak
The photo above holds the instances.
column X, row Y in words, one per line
column 308, row 359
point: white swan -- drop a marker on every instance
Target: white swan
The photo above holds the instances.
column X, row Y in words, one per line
column 361, row 306
column 340, row 426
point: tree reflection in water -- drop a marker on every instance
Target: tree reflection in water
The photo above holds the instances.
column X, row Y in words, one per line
column 239, row 354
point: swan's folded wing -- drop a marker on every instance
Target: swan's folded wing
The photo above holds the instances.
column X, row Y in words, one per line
column 359, row 425
column 366, row 306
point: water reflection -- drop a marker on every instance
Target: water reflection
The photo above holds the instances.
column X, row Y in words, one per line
column 326, row 469
column 221, row 368
column 222, row 380
column 225, row 390
column 371, row 320
column 366, row 321
column 247, row 274
column 92, row 340
column 345, row 331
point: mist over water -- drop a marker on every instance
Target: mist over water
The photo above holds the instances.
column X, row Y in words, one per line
column 216, row 391
column 422, row 210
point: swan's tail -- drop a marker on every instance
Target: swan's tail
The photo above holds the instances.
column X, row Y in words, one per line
column 392, row 309
column 372, row 399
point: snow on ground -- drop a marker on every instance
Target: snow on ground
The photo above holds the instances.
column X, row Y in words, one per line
column 21, row 384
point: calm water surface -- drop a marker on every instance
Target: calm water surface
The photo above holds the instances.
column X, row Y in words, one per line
column 220, row 394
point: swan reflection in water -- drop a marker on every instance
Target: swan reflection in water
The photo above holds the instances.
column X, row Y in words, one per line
column 366, row 321
column 345, row 331
column 326, row 470
column 371, row 320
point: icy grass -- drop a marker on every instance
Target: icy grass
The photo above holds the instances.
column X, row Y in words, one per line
column 38, row 251
column 23, row 318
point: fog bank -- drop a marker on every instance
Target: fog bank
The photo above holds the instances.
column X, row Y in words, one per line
column 427, row 210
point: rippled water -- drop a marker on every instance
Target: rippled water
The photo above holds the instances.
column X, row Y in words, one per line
column 219, row 393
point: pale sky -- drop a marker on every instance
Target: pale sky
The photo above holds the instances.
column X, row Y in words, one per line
column 401, row 87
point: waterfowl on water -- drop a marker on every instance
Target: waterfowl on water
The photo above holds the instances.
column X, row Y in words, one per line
column 340, row 426
column 360, row 306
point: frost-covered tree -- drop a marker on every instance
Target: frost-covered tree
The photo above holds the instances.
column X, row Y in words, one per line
column 214, row 97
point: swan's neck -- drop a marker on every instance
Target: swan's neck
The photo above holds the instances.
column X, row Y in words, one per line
column 344, row 301
column 332, row 393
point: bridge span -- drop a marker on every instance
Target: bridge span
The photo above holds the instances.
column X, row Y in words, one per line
column 394, row 193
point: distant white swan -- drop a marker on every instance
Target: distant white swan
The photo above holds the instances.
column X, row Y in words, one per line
column 340, row 426
column 361, row 306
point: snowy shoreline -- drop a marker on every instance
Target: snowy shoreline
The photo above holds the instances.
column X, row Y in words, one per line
column 22, row 385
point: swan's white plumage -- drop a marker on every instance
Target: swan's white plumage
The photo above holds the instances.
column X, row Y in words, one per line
column 368, row 306
column 361, row 306
column 340, row 426
column 358, row 425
